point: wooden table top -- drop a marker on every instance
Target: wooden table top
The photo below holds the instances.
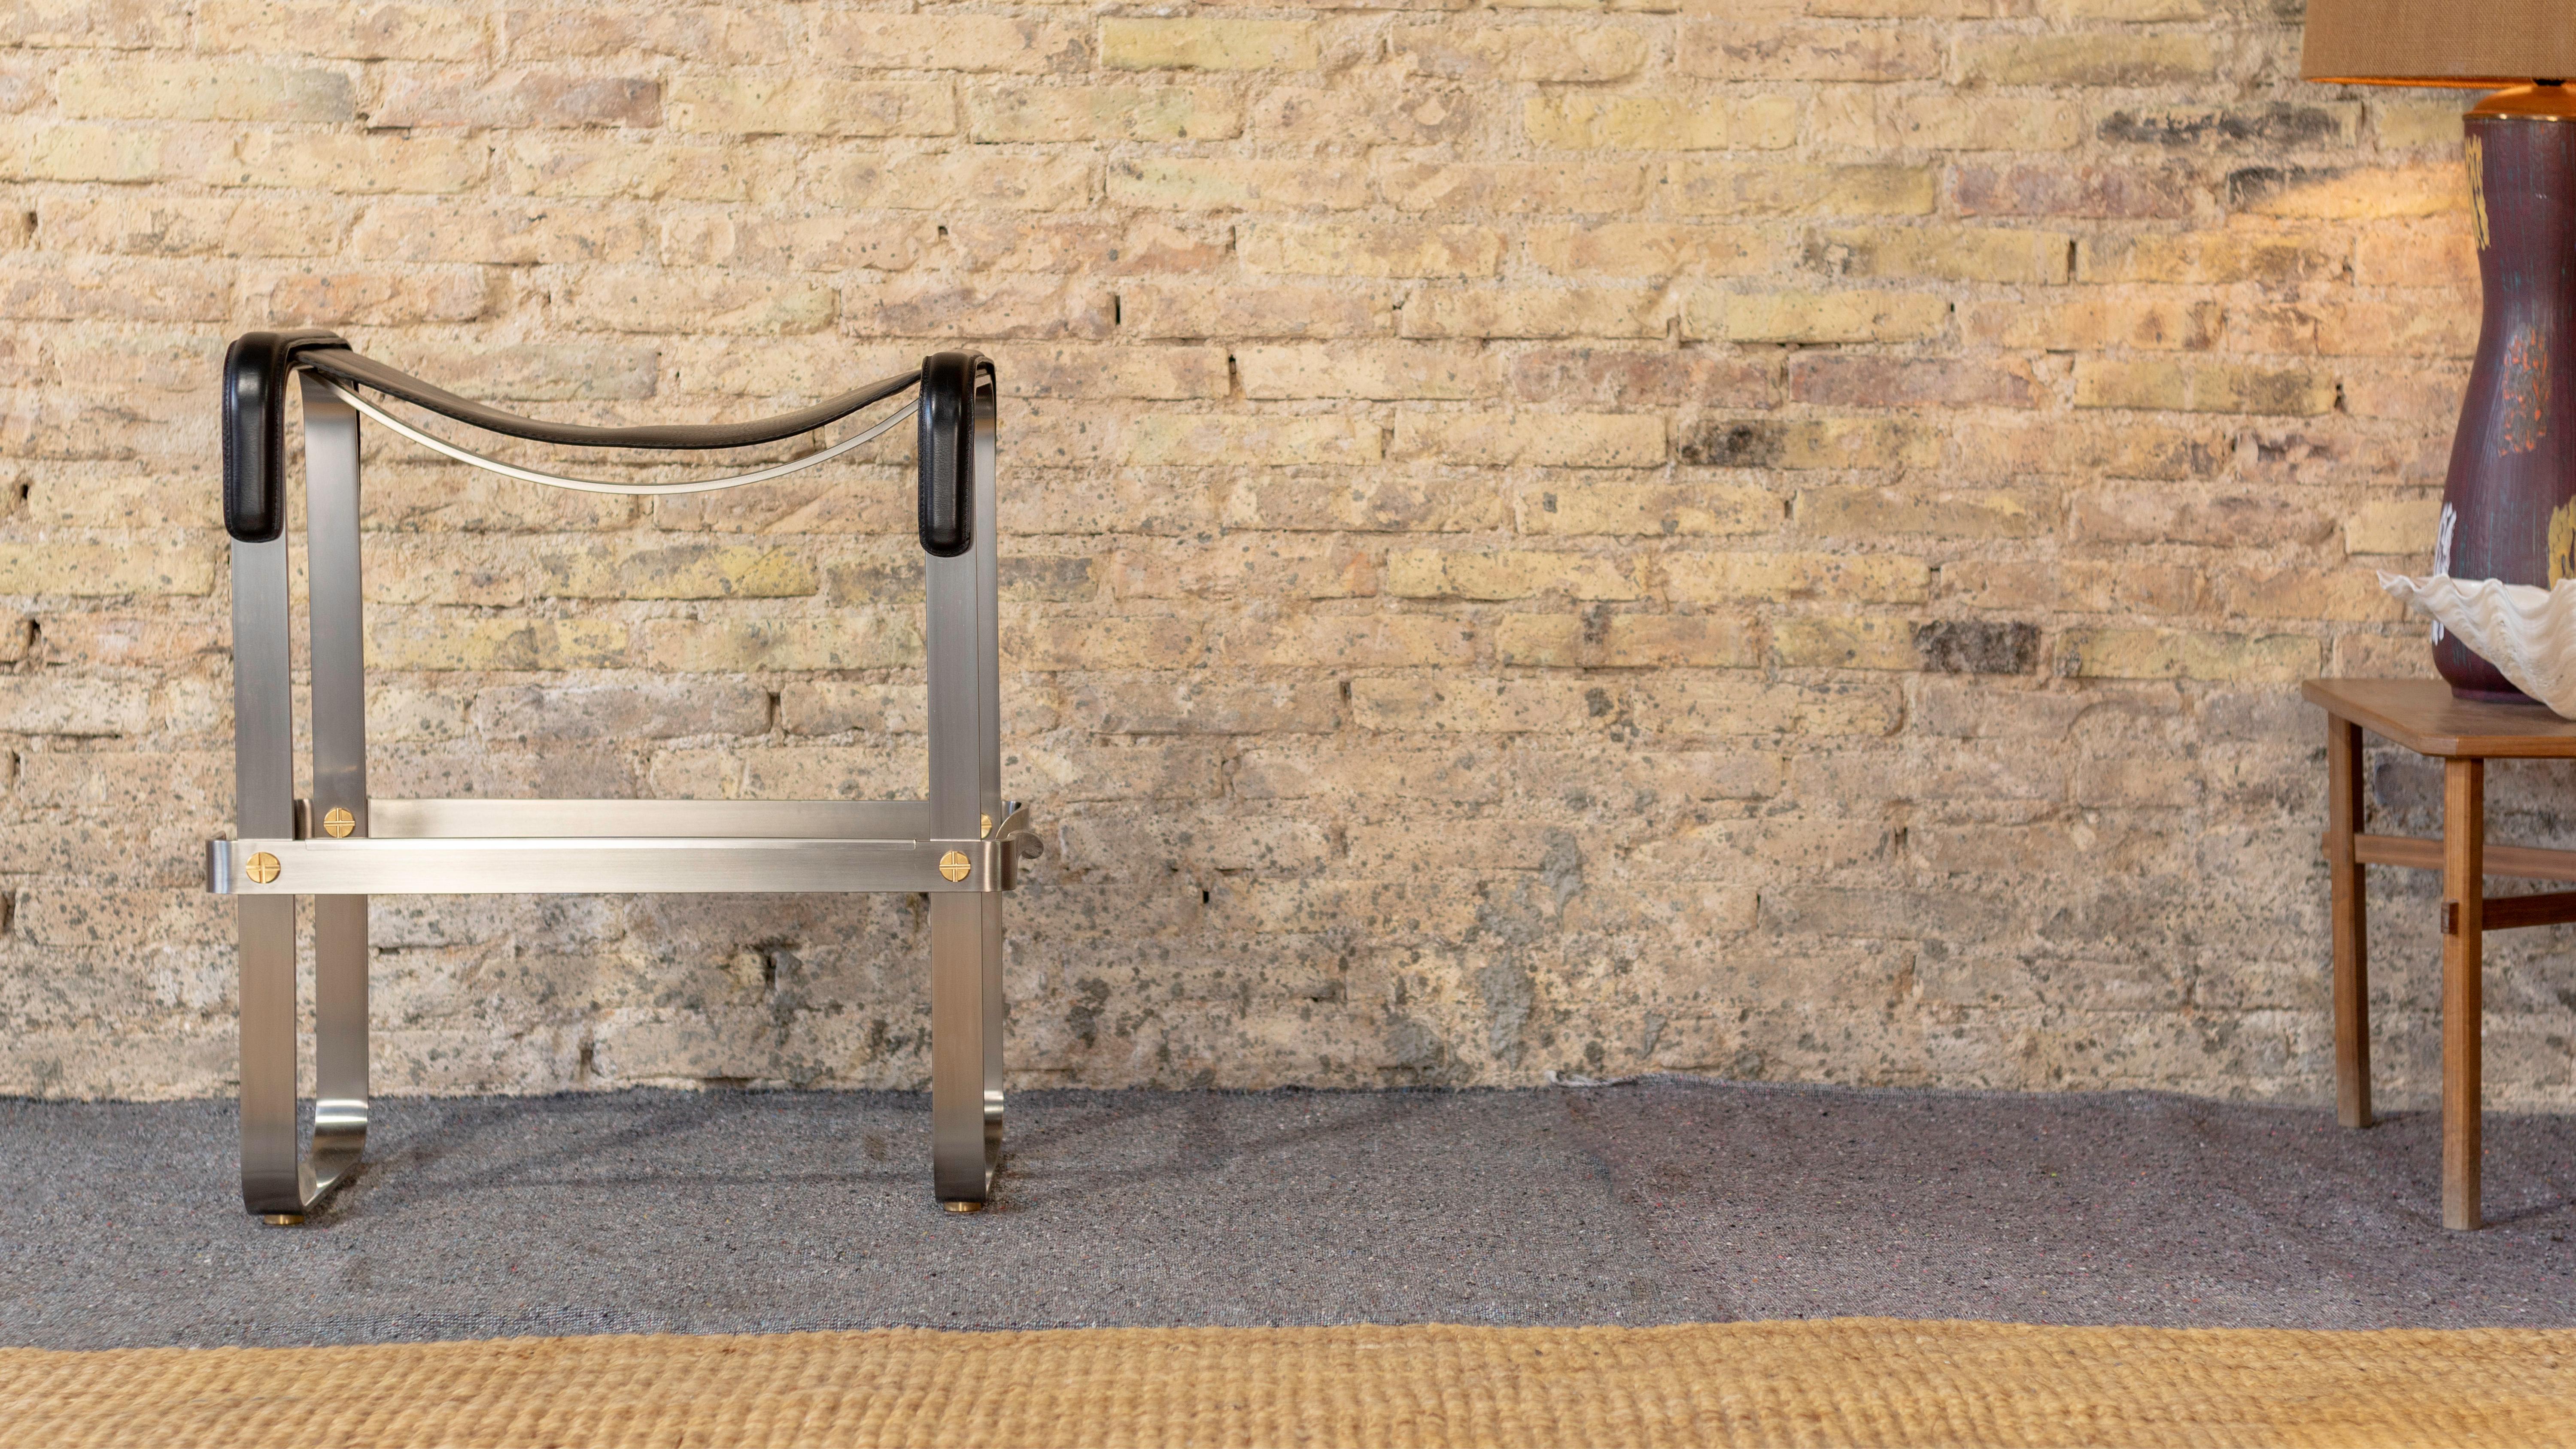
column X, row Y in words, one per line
column 2422, row 715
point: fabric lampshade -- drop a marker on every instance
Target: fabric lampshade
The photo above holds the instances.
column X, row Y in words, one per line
column 2440, row 42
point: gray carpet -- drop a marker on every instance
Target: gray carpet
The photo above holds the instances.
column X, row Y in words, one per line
column 1647, row 1203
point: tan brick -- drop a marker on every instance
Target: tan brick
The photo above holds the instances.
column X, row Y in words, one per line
column 1135, row 641
column 1353, row 641
column 1956, row 254
column 203, row 91
column 2392, row 526
column 520, row 101
column 368, row 298
column 75, row 569
column 1735, row 51
column 2213, row 257
column 1389, row 502
column 1629, row 641
column 504, row 233
column 89, row 288
column 1815, row 317
column 2340, row 593
column 1509, row 574
column 647, row 301
column 2207, row 387
column 811, row 105
column 1644, row 376
column 1247, row 565
column 1389, row 109
column 2181, row 654
column 2224, row 518
column 681, row 571
column 1843, row 644
column 1450, row 188
column 955, row 179
column 1709, row 578
column 2163, row 319
column 1868, row 381
column 2361, row 193
column 1227, row 183
column 2406, row 125
column 701, row 34
column 1576, row 121
column 1084, row 370
column 948, row 40
column 1103, row 113
column 1649, row 510
column 1736, row 188
column 197, row 226
column 1524, row 52
column 1364, row 249
column 1826, row 442
column 1873, row 119
column 1720, row 706
column 1206, row 440
column 1364, row 370
column 369, row 32
column 1450, row 703
column 1565, row 440
column 435, row 642
column 2089, row 59
column 853, row 638
column 1651, row 249
column 1179, row 310
column 645, row 170
column 2393, row 256
column 59, row 151
column 1208, row 45
column 2056, row 189
column 322, row 161
column 1863, row 512
column 1485, row 312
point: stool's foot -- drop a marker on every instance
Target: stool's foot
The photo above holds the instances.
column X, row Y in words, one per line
column 281, row 1220
column 965, row 1047
column 963, row 1206
column 279, row 1183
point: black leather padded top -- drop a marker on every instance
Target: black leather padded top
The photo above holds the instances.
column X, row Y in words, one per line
column 258, row 365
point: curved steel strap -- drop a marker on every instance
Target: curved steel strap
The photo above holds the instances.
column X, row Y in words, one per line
column 592, row 485
column 336, row 360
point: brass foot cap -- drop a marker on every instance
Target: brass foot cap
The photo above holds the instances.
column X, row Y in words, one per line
column 281, row 1220
column 961, row 1205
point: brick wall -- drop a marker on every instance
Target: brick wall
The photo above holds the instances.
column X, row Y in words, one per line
column 1773, row 540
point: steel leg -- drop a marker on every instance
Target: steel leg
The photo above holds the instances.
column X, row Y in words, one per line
column 336, row 619
column 277, row 1181
column 966, row 1010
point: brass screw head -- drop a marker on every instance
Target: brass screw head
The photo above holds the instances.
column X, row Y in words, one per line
column 339, row 823
column 955, row 865
column 261, row 867
column 988, row 826
column 281, row 1220
column 960, row 1205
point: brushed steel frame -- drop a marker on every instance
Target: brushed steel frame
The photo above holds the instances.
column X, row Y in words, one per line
column 579, row 846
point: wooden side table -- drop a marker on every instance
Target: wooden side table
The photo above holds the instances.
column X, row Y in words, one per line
column 2422, row 715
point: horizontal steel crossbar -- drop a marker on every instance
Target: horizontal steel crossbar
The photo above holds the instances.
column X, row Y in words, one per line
column 599, row 865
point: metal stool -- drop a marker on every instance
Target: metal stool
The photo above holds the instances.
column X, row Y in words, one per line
column 961, row 847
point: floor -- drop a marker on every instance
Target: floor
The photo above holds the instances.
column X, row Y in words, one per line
column 1644, row 1203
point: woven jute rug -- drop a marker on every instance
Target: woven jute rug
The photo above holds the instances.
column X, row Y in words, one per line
column 1872, row 1382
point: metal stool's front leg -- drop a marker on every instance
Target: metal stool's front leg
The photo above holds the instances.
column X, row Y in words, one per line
column 964, row 665
column 278, row 1182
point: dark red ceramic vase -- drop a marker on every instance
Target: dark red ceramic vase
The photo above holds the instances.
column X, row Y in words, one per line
column 2509, row 504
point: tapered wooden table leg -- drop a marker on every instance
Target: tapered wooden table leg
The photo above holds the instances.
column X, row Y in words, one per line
column 2351, row 923
column 2464, row 831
